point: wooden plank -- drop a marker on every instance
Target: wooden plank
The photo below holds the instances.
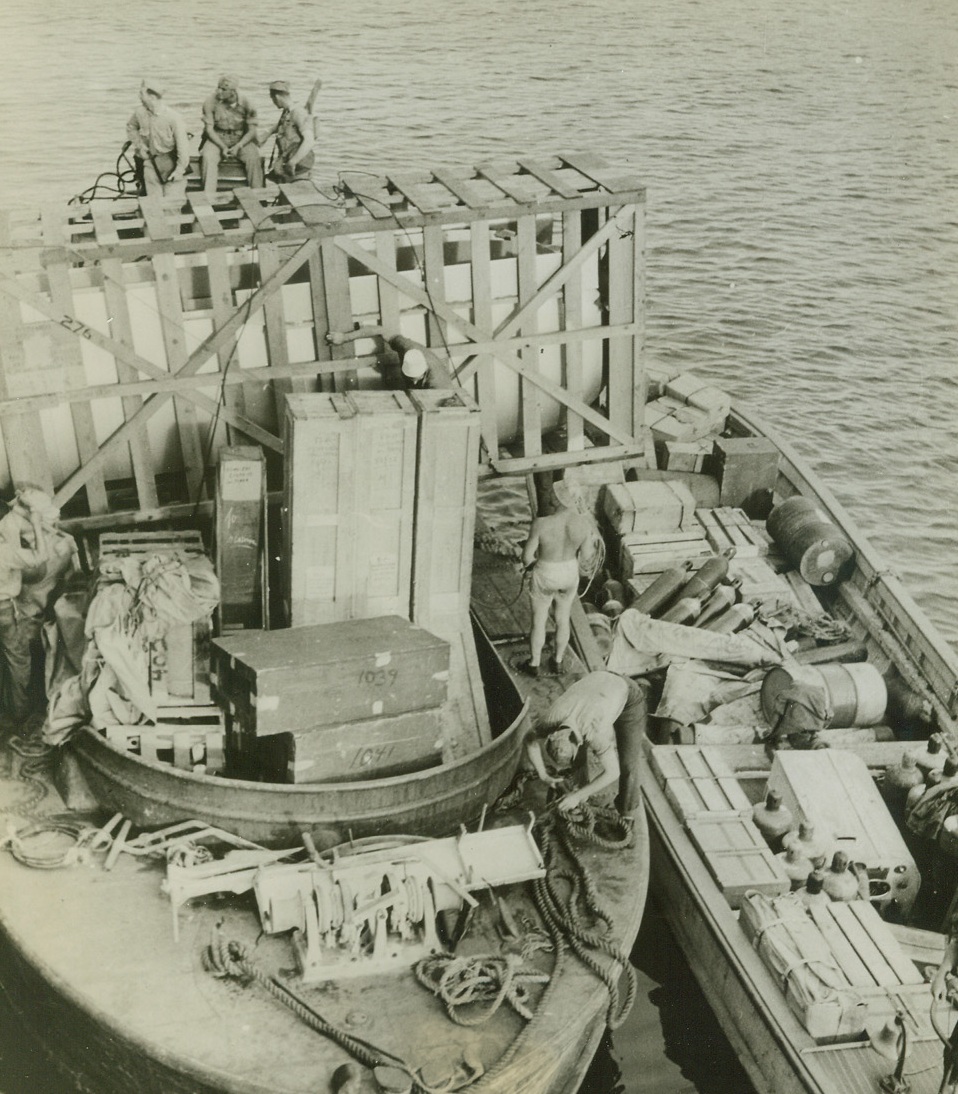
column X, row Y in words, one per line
column 277, row 345
column 209, row 223
column 121, row 327
column 415, row 193
column 255, row 210
column 408, row 288
column 221, row 298
column 880, row 932
column 172, row 324
column 434, row 274
column 72, row 367
column 311, row 206
column 552, row 461
column 865, row 947
column 339, row 308
column 22, row 433
column 481, row 267
column 103, row 223
column 155, row 220
column 460, row 188
column 388, row 297
column 621, row 274
column 508, row 184
column 571, row 312
column 371, row 193
column 846, row 957
column 530, row 408
column 549, row 177
column 317, row 292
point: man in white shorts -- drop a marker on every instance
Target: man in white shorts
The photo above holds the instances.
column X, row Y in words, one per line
column 551, row 553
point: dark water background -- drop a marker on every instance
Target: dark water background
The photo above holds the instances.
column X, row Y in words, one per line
column 801, row 163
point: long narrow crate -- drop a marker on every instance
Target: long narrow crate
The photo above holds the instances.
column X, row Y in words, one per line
column 444, row 525
column 240, row 539
column 349, row 489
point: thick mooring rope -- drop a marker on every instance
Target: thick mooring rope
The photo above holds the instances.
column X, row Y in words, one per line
column 481, row 984
column 34, row 758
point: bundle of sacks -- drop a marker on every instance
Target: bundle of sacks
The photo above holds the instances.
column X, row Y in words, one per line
column 137, row 599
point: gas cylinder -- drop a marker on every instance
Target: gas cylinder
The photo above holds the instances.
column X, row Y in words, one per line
column 933, row 756
column 914, row 796
column 797, row 866
column 814, row 890
column 808, row 842
column 662, row 590
column 683, row 611
column 840, row 882
column 708, row 575
column 772, row 819
column 900, row 778
column 722, row 597
column 732, row 619
column 612, row 590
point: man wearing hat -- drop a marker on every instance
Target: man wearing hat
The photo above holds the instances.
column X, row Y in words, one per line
column 551, row 556
column 229, row 129
column 599, row 719
column 293, row 159
column 410, row 365
column 160, row 143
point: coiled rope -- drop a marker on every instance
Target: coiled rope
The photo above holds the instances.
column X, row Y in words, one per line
column 34, row 764
column 564, row 916
column 486, row 981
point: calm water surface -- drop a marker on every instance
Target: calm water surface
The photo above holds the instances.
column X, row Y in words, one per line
column 801, row 163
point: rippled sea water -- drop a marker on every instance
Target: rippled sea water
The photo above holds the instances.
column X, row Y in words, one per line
column 801, row 161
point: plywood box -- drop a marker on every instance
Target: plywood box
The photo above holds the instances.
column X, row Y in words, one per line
column 711, row 834
column 656, row 506
column 747, row 869
column 373, row 748
column 240, row 537
column 653, row 552
column 349, row 489
column 687, row 762
column 697, row 798
column 294, row 679
column 747, row 469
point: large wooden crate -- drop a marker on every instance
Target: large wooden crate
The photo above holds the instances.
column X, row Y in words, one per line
column 444, row 526
column 349, row 487
column 747, row 469
column 240, row 538
column 657, row 506
column 295, row 679
column 372, row 748
column 179, row 662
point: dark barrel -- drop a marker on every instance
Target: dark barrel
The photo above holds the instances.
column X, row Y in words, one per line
column 811, row 542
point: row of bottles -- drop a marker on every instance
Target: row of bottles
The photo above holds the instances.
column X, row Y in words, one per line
column 905, row 783
column 803, row 854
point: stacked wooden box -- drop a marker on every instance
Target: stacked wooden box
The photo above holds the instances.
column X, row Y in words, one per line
column 379, row 516
column 747, row 469
column 717, row 814
column 334, row 701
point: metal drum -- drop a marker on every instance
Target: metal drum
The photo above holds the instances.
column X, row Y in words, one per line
column 812, row 543
column 856, row 692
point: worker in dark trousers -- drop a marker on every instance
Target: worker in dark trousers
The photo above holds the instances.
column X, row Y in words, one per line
column 603, row 714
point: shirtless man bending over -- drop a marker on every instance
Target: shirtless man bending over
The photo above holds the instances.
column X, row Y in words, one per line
column 552, row 554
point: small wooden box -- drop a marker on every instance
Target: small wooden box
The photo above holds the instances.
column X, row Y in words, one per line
column 687, row 762
column 653, row 552
column 301, row 677
column 375, row 748
column 747, row 469
column 740, row 871
column 656, row 506
column 711, row 834
column 697, row 798
column 682, row 455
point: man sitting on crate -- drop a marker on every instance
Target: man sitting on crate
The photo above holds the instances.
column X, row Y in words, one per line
column 160, row 143
column 229, row 130
column 601, row 717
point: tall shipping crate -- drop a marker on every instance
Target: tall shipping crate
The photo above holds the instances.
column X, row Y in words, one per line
column 240, row 537
column 445, row 518
column 348, row 505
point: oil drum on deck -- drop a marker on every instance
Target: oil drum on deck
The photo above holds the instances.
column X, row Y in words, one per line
column 856, row 692
column 811, row 542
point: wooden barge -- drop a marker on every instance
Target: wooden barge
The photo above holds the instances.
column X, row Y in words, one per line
column 141, row 339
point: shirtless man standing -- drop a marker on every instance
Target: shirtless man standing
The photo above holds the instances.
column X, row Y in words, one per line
column 552, row 554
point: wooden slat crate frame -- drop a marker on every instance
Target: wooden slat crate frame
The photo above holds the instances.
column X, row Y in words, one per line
column 236, row 293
